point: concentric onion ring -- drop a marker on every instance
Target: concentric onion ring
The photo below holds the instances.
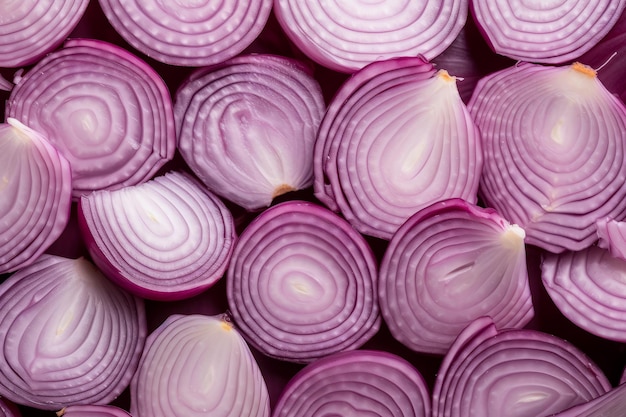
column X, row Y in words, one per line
column 92, row 411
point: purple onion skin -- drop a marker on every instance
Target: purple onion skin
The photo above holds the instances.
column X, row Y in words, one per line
column 92, row 411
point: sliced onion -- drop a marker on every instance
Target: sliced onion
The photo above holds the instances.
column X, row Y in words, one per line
column 301, row 284
column 31, row 28
column 8, row 409
column 247, row 127
column 553, row 31
column 611, row 404
column 396, row 138
column 346, row 36
column 92, row 411
column 104, row 109
column 449, row 264
column 612, row 236
column 166, row 239
column 554, row 152
column 69, row 336
column 360, row 382
column 193, row 33
column 195, row 365
column 526, row 373
column 35, row 195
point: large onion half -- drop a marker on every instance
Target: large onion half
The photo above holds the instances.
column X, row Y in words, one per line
column 396, row 138
column 359, row 382
column 68, row 335
column 35, row 195
column 104, row 109
column 302, row 283
column 195, row 365
column 247, row 127
column 554, row 148
column 449, row 264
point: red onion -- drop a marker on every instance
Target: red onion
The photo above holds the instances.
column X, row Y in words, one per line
column 554, row 152
column 104, row 109
column 167, row 239
column 360, row 382
column 8, row 409
column 247, row 127
column 553, row 31
column 69, row 336
column 449, row 264
column 302, row 283
column 396, row 138
column 346, row 36
column 92, row 411
column 611, row 404
column 5, row 85
column 35, row 195
column 198, row 365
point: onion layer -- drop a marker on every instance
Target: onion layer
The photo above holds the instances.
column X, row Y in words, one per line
column 611, row 404
column 8, row 409
column 612, row 236
column 92, row 411
column 302, row 283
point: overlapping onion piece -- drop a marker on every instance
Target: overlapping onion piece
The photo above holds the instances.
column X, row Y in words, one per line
column 184, row 33
column 92, row 411
column 247, row 127
column 69, row 336
column 396, row 138
column 196, row 365
column 106, row 111
column 491, row 373
column 358, row 382
column 35, row 195
column 611, row 404
column 347, row 36
column 554, row 152
column 301, row 284
column 168, row 238
column 31, row 28
column 553, row 31
column 449, row 264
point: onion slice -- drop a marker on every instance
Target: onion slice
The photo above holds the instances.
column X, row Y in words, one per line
column 247, row 127
column 301, row 284
column 359, row 382
column 69, row 336
column 35, row 195
column 554, row 152
column 489, row 372
column 195, row 365
column 449, row 264
column 166, row 239
column 92, row 411
column 104, row 109
column 396, row 138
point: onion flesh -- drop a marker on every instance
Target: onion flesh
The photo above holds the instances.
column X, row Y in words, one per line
column 92, row 411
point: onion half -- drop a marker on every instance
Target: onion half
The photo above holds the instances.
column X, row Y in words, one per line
column 92, row 411
column 106, row 111
column 301, row 284
column 69, row 336
column 554, row 152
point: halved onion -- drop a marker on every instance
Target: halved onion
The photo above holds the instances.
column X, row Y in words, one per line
column 195, row 33
column 247, row 127
column 396, row 138
column 104, row 109
column 195, row 365
column 449, row 264
column 35, row 195
column 553, row 31
column 555, row 159
column 526, row 373
column 301, row 284
column 69, row 336
column 92, row 411
column 359, row 382
column 346, row 36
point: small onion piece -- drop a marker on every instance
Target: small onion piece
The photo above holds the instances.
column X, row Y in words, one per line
column 553, row 31
column 449, row 264
column 165, row 239
column 104, row 109
column 526, row 373
column 35, row 195
column 195, row 365
column 346, row 36
column 5, row 85
column 69, row 336
column 301, row 284
column 396, row 138
column 359, row 382
column 8, row 409
column 611, row 404
column 92, row 411
column 247, row 127
column 554, row 157
column 612, row 236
